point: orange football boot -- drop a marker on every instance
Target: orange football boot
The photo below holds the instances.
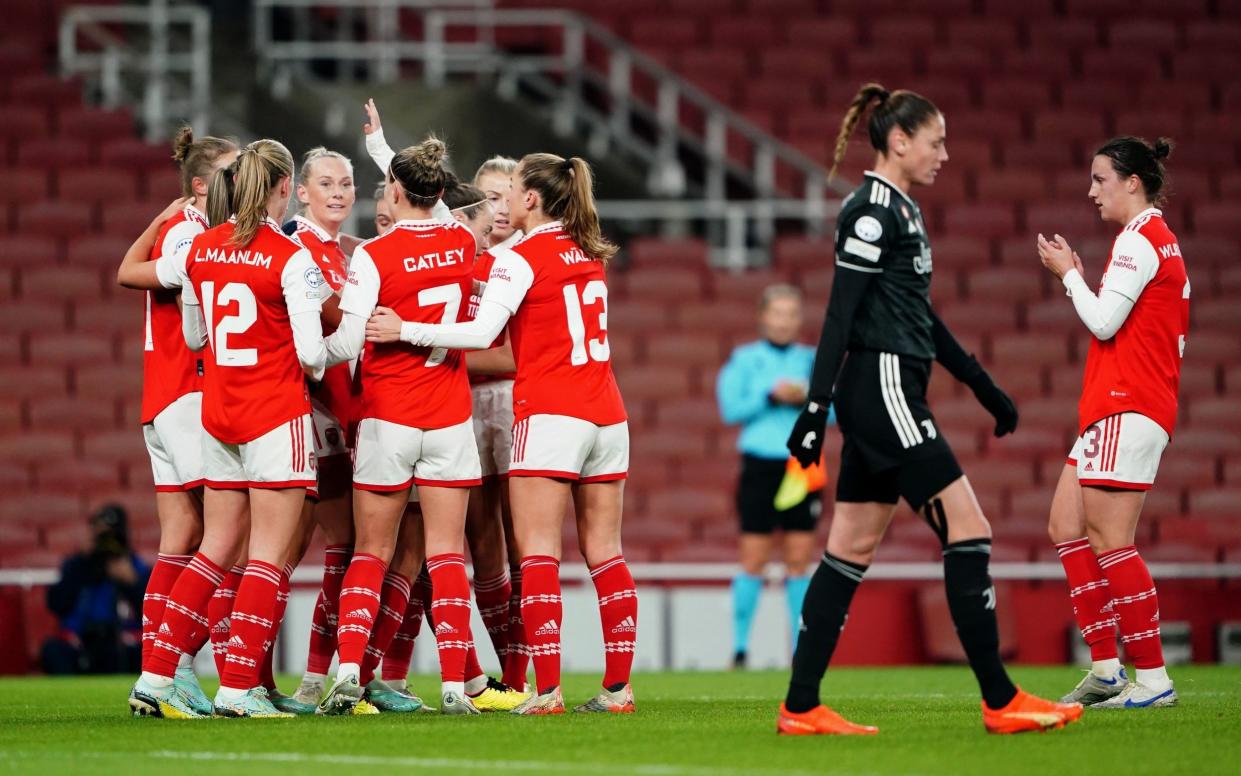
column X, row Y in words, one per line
column 819, row 721
column 1026, row 712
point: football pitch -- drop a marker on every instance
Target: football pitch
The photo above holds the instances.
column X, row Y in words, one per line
column 698, row 724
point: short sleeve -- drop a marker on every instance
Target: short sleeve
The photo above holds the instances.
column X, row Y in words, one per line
column 361, row 292
column 173, row 253
column 864, row 238
column 304, row 285
column 1133, row 265
column 511, row 277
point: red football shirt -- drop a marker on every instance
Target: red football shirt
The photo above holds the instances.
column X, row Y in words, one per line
column 335, row 390
column 253, row 381
column 169, row 368
column 559, row 299
column 424, row 271
column 1139, row 369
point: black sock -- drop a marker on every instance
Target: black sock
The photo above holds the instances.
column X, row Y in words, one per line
column 823, row 618
column 971, row 599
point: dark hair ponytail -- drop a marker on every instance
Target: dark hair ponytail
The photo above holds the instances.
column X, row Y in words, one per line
column 901, row 108
column 1134, row 156
column 197, row 157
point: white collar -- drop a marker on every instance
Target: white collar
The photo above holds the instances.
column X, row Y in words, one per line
column 421, row 223
column 895, row 188
column 305, row 223
column 194, row 214
column 550, row 226
column 1150, row 211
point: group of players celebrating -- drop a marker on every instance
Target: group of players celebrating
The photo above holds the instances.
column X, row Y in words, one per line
column 445, row 382
column 374, row 434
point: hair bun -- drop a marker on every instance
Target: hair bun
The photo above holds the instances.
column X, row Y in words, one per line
column 181, row 143
column 1162, row 148
column 430, row 152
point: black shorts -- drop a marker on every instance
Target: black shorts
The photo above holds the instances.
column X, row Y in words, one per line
column 756, row 495
column 892, row 445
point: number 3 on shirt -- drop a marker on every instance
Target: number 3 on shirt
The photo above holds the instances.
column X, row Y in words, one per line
column 247, row 314
column 599, row 350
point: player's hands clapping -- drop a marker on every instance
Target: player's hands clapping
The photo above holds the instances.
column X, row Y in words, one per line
column 384, row 325
column 806, row 442
column 372, row 124
column 1058, row 256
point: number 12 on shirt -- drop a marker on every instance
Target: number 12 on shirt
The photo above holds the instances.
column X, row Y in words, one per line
column 247, row 314
column 598, row 348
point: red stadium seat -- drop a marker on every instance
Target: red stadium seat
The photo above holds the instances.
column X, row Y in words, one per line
column 655, row 383
column 691, row 504
column 129, row 218
column 688, row 349
column 986, row 34
column 119, row 444
column 56, row 218
column 79, row 476
column 65, row 282
column 103, row 251
column 41, row 509
column 1003, row 285
column 24, row 251
column 25, row 184
column 800, row 63
column 132, row 152
column 1050, row 349
column 96, row 184
column 677, row 254
column 1012, row 185
column 36, row 447
column 1033, row 63
column 672, row 284
column 822, row 33
column 981, row 220
column 665, row 32
column 94, row 124
column 81, row 347
column 738, row 32
column 51, row 153
column 1213, row 35
column 1069, row 126
column 45, row 89
column 107, row 381
column 901, row 32
column 637, row 315
column 1134, row 35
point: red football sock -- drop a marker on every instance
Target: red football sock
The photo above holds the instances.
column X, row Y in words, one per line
column 618, row 613
column 450, row 603
column 185, row 614
column 518, row 658
column 393, row 600
column 252, row 620
column 492, row 596
column 218, row 611
column 1136, row 605
column 401, row 651
column 542, row 612
column 359, row 603
column 267, row 677
column 323, row 625
column 1091, row 598
column 163, row 576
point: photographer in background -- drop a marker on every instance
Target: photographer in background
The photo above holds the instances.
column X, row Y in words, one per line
column 762, row 388
column 98, row 601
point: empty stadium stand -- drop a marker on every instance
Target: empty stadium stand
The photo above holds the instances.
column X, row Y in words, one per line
column 1028, row 90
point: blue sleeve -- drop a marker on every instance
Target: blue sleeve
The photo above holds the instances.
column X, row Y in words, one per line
column 740, row 395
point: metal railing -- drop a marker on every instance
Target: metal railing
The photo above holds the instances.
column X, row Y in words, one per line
column 605, row 102
column 169, row 80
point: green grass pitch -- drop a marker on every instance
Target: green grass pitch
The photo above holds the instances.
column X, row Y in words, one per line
column 697, row 724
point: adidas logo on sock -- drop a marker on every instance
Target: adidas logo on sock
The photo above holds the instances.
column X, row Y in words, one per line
column 237, row 642
column 223, row 626
column 359, row 614
column 626, row 625
column 443, row 628
column 163, row 628
column 145, row 621
column 549, row 628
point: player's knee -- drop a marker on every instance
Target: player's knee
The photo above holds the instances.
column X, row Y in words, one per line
column 855, row 547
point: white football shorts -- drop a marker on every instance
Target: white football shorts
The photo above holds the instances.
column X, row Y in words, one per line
column 175, row 443
column 282, row 458
column 1120, row 451
column 328, row 431
column 569, row 448
column 493, row 426
column 390, row 456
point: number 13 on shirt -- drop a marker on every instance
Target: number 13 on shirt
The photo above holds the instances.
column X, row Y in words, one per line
column 594, row 348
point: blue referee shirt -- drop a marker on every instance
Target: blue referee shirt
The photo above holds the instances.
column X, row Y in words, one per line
column 744, row 388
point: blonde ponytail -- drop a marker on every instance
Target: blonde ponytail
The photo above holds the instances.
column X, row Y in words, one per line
column 260, row 168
